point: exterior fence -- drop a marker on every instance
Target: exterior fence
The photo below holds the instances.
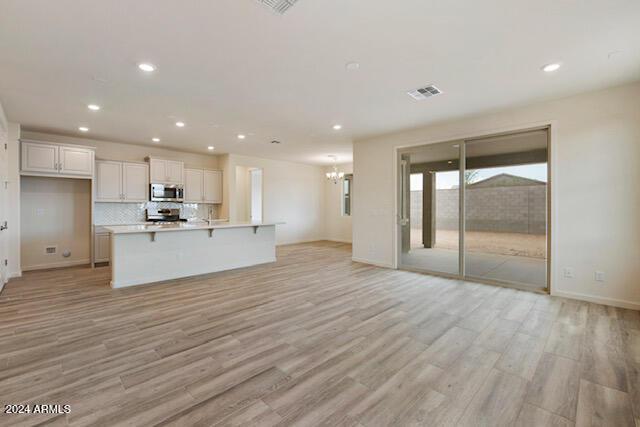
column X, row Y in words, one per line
column 508, row 209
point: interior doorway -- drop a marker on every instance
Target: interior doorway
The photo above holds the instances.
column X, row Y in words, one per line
column 478, row 208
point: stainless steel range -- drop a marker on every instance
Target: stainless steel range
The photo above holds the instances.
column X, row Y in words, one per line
column 163, row 216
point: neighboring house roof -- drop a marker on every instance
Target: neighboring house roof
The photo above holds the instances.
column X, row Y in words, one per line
column 505, row 180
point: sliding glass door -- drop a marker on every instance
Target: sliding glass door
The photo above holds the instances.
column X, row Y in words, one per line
column 431, row 218
column 478, row 209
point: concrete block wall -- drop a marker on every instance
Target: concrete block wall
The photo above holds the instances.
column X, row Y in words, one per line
column 517, row 209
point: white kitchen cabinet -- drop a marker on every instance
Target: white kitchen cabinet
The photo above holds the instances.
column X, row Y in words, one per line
column 193, row 186
column 75, row 161
column 44, row 158
column 37, row 157
column 175, row 171
column 212, row 186
column 135, row 182
column 108, row 181
column 166, row 171
column 102, row 247
column 121, row 181
column 203, row 186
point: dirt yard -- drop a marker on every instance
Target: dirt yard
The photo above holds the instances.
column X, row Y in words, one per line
column 526, row 245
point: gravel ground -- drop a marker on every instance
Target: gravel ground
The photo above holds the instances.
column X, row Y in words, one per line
column 526, row 245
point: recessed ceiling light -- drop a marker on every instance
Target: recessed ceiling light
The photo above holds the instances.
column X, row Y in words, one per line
column 337, row 127
column 549, row 68
column 146, row 67
column 241, row 136
column 93, row 107
column 180, row 124
column 352, row 66
column 155, row 139
column 83, row 129
column 211, row 147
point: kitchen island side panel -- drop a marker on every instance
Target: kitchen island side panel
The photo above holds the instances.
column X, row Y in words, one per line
column 141, row 258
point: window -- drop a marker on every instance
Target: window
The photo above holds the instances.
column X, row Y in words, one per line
column 347, row 191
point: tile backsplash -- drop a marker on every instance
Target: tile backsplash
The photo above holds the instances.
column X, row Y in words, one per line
column 131, row 213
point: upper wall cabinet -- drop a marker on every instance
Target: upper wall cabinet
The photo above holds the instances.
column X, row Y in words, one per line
column 193, row 185
column 76, row 161
column 135, row 182
column 202, row 186
column 166, row 171
column 121, row 181
column 44, row 158
column 212, row 186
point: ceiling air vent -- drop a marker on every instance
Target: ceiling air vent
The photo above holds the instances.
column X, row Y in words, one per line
column 279, row 6
column 424, row 92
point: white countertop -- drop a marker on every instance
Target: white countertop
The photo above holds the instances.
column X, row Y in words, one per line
column 183, row 226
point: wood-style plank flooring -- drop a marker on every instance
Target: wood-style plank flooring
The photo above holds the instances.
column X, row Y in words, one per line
column 314, row 339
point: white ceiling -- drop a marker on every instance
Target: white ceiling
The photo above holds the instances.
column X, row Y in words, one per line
column 232, row 66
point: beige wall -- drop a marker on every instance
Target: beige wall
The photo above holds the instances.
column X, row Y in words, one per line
column 595, row 151
column 337, row 226
column 55, row 212
column 292, row 192
column 242, row 194
column 107, row 150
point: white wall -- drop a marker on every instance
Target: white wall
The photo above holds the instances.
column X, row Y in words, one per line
column 595, row 188
column 293, row 193
column 55, row 212
column 337, row 226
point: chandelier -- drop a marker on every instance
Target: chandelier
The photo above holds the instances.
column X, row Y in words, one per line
column 334, row 175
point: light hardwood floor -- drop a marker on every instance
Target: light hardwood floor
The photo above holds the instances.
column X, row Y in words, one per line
column 314, row 339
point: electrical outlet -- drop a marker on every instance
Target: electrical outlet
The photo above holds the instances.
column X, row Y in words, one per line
column 568, row 273
column 599, row 276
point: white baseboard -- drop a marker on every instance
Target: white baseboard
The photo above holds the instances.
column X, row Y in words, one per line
column 338, row 240
column 377, row 264
column 56, row 265
column 1, row 286
column 597, row 299
column 15, row 274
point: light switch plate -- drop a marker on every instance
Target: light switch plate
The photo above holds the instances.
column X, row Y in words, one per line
column 568, row 273
column 599, row 276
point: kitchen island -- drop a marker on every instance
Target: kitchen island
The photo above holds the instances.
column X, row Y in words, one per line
column 148, row 253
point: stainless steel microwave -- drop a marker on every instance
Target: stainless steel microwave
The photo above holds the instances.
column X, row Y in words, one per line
column 167, row 193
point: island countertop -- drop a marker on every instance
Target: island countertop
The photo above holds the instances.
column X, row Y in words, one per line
column 183, row 226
